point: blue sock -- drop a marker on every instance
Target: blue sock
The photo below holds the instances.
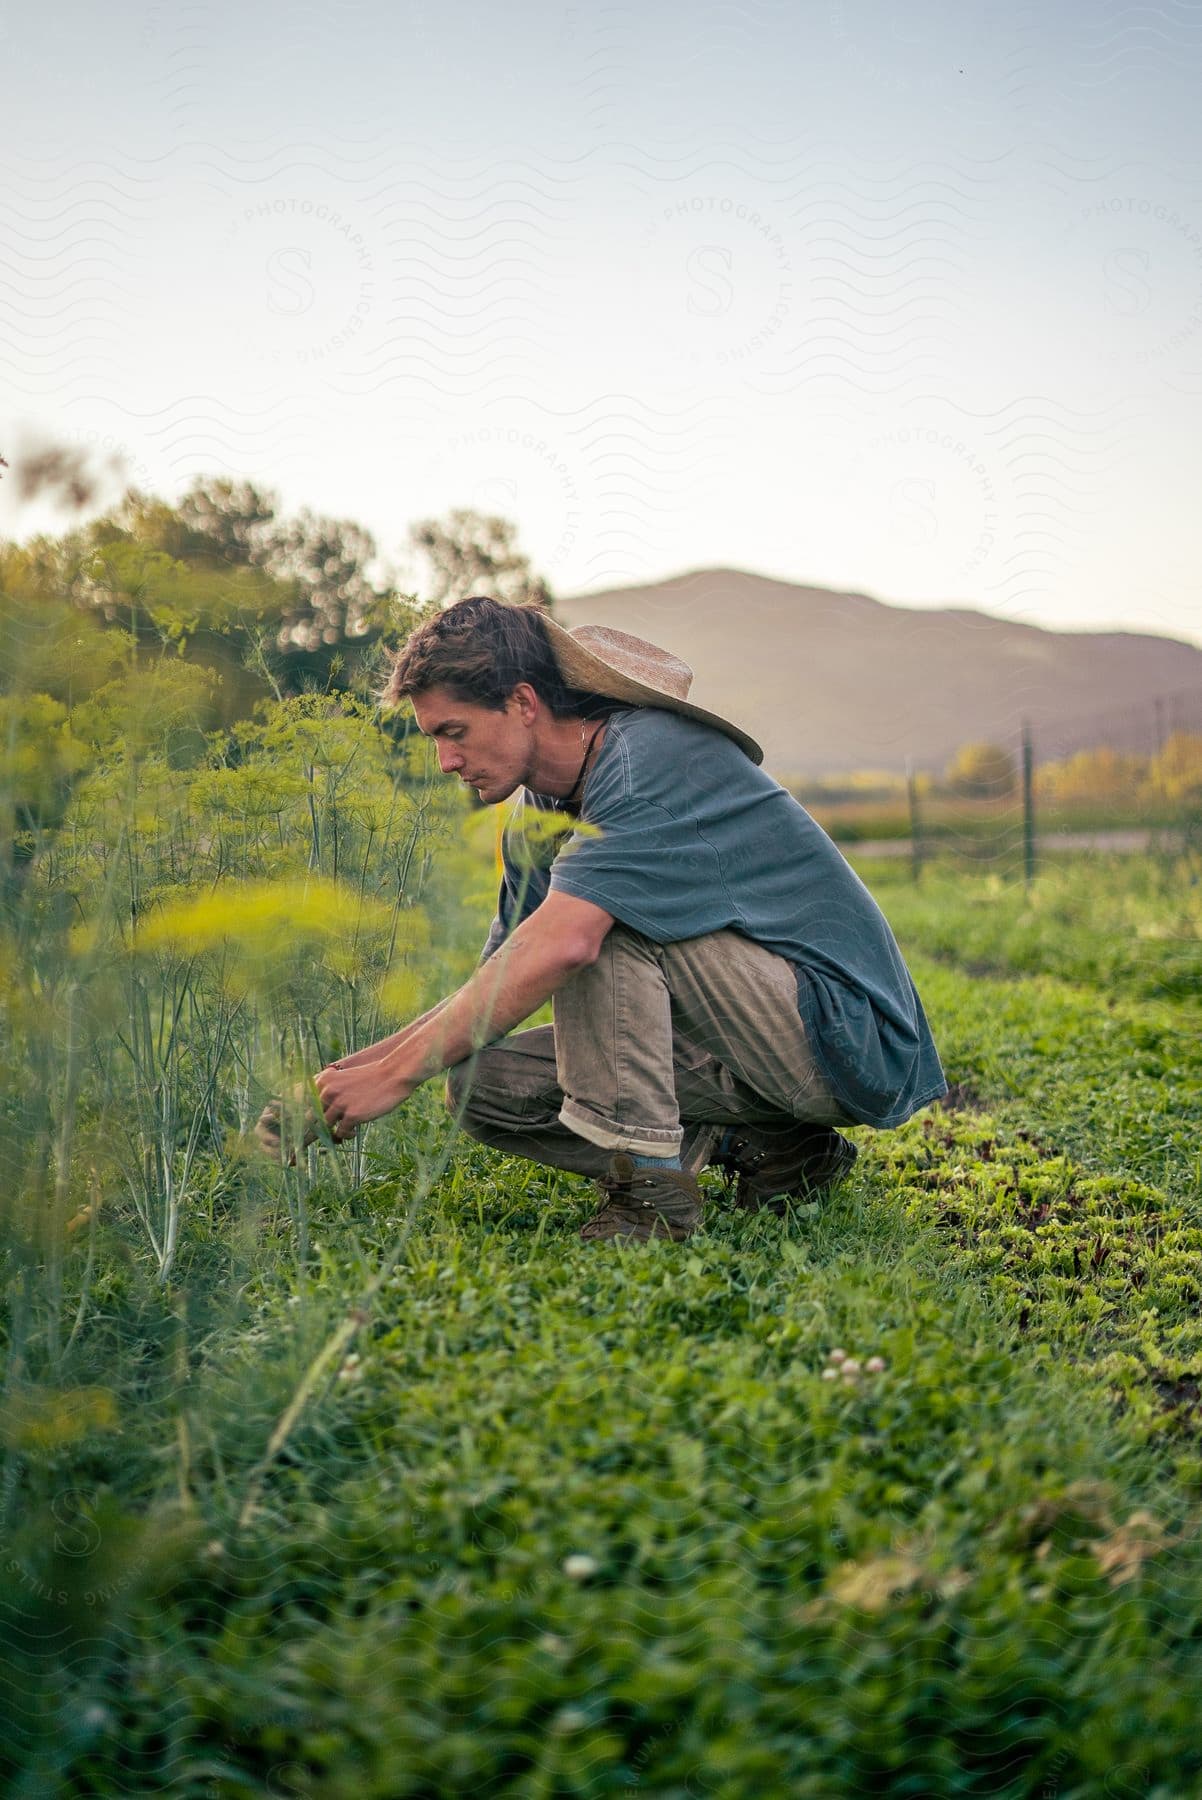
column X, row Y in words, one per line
column 726, row 1142
column 655, row 1162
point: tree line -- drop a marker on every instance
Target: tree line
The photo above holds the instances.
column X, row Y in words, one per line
column 990, row 772
column 223, row 574
column 171, row 620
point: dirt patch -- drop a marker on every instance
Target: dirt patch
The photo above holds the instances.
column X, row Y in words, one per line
column 1181, row 1395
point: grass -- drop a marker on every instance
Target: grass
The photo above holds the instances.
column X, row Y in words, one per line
column 385, row 1484
column 579, row 1522
column 1131, row 925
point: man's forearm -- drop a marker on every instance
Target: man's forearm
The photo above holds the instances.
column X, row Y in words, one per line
column 563, row 936
column 376, row 1052
column 512, row 984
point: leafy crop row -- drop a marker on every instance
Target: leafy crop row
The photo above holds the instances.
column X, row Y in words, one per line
column 569, row 1524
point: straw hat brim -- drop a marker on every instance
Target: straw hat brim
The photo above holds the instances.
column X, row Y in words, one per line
column 582, row 668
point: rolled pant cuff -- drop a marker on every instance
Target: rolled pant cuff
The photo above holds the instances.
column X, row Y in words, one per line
column 640, row 1140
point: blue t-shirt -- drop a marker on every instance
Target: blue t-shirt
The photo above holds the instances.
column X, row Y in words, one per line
column 692, row 837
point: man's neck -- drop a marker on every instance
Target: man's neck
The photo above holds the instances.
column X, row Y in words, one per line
column 562, row 769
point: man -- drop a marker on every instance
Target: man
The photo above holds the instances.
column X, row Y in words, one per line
column 724, row 988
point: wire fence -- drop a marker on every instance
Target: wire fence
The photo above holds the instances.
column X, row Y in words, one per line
column 1127, row 781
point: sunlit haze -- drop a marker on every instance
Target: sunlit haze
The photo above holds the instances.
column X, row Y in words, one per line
column 903, row 301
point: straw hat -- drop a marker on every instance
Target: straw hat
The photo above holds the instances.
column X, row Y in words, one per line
column 601, row 660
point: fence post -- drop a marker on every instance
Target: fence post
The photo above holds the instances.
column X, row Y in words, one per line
column 1028, row 807
column 915, row 822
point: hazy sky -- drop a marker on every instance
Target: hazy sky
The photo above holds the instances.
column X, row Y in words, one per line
column 903, row 300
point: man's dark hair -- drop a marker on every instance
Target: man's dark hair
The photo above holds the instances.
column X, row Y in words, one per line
column 480, row 649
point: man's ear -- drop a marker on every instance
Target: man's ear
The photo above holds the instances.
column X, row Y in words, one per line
column 527, row 702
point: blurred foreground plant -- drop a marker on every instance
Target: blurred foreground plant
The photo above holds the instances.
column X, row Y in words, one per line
column 209, row 918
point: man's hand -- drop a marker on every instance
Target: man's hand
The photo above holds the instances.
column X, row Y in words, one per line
column 296, row 1111
column 350, row 1097
column 563, row 935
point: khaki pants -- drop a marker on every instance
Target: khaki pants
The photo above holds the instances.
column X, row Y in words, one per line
column 655, row 1047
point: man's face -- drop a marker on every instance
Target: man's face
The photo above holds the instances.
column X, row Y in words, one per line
column 490, row 751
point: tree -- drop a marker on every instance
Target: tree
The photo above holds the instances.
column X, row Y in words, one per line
column 1102, row 774
column 982, row 772
column 231, row 519
column 475, row 553
column 325, row 560
column 322, row 561
column 1177, row 770
column 223, row 573
column 219, row 522
column 230, row 583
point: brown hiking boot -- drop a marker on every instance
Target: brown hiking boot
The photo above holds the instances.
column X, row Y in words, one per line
column 774, row 1167
column 645, row 1203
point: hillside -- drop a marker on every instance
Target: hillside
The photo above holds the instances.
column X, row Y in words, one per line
column 830, row 681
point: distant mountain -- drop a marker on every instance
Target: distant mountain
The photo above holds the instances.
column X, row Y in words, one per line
column 830, row 682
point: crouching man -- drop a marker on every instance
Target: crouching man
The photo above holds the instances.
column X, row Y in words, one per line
column 725, row 990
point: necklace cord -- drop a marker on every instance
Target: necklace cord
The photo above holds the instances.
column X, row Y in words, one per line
column 571, row 794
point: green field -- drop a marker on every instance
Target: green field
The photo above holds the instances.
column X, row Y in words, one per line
column 366, row 1477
